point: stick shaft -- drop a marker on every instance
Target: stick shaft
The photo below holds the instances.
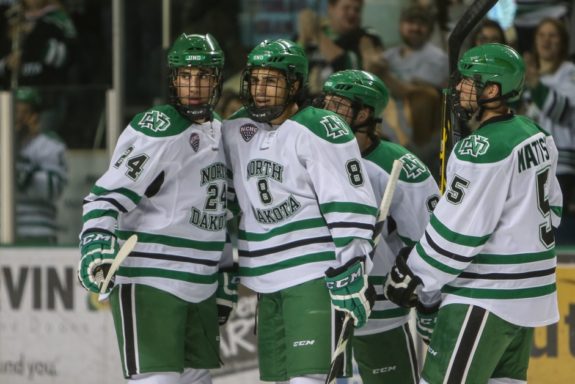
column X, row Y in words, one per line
column 126, row 249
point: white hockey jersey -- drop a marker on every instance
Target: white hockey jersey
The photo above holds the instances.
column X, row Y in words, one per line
column 167, row 183
column 415, row 196
column 306, row 201
column 42, row 164
column 490, row 238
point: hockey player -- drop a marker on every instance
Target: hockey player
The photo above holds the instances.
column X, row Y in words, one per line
column 489, row 245
column 167, row 184
column 308, row 213
column 360, row 97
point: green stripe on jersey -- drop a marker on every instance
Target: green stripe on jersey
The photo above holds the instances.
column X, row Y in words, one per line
column 173, row 241
column 291, row 227
column 98, row 213
column 457, row 238
column 557, row 210
column 172, row 275
column 513, row 259
column 133, row 196
column 339, row 207
column 434, row 263
column 293, row 262
column 486, row 293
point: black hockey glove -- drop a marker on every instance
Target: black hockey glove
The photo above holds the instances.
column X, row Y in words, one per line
column 400, row 284
column 227, row 293
column 426, row 317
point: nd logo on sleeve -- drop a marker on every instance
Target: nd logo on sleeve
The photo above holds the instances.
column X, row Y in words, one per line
column 155, row 121
column 474, row 145
column 334, row 126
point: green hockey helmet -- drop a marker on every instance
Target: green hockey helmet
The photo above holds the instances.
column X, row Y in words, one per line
column 361, row 87
column 199, row 51
column 285, row 56
column 495, row 63
column 28, row 95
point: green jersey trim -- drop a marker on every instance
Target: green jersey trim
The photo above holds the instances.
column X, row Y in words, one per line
column 413, row 170
column 513, row 259
column 173, row 241
column 485, row 293
column 294, row 262
column 340, row 207
column 434, row 263
column 133, row 196
column 407, row 241
column 160, row 121
column 172, row 275
column 557, row 210
column 284, row 229
column 324, row 124
column 98, row 213
column 457, row 238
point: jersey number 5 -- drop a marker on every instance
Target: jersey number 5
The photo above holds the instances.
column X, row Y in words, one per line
column 545, row 229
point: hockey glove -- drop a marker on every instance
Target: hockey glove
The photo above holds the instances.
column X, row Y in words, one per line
column 426, row 317
column 350, row 291
column 227, row 293
column 98, row 248
column 400, row 284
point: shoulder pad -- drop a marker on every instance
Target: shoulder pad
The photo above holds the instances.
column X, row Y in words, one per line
column 160, row 121
column 325, row 124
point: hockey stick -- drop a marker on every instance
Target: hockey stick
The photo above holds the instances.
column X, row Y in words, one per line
column 127, row 247
column 337, row 357
column 451, row 132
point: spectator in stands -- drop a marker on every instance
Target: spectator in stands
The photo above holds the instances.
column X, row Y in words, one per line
column 40, row 172
column 37, row 48
column 488, row 31
column 415, row 71
column 550, row 81
column 337, row 43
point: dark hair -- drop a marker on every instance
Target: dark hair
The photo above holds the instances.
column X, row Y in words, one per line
column 563, row 35
column 488, row 23
column 419, row 13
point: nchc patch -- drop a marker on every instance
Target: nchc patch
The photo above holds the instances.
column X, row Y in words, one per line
column 248, row 131
column 195, row 141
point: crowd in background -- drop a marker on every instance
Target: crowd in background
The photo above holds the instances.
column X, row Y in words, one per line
column 64, row 49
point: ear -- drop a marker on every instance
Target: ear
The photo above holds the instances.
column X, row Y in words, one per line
column 363, row 115
column 492, row 90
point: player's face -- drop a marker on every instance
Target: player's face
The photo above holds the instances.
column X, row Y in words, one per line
column 340, row 105
column 195, row 85
column 345, row 15
column 548, row 42
column 467, row 94
column 268, row 87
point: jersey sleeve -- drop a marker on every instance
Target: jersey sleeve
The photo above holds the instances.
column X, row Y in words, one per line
column 137, row 162
column 343, row 191
column 462, row 221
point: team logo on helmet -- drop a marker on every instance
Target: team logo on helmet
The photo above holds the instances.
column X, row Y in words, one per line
column 195, row 141
column 334, row 126
column 248, row 131
column 155, row 120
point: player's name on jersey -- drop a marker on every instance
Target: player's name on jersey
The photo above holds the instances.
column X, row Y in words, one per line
column 532, row 154
column 208, row 221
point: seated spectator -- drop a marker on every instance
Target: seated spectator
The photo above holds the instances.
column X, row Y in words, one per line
column 40, row 172
column 550, row 96
column 338, row 43
column 488, row 31
column 415, row 71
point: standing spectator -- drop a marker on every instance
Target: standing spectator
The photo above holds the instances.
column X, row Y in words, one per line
column 359, row 97
column 338, row 43
column 495, row 266
column 415, row 72
column 43, row 35
column 167, row 184
column 41, row 172
column 308, row 213
column 550, row 81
